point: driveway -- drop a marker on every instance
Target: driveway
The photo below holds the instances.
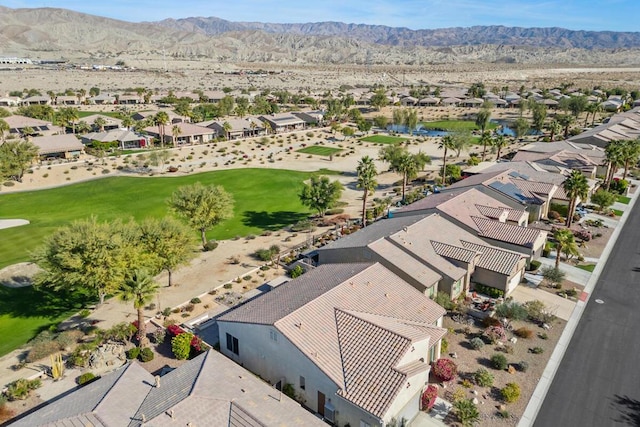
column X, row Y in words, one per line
column 559, row 306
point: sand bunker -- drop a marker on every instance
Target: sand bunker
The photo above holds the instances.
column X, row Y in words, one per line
column 8, row 223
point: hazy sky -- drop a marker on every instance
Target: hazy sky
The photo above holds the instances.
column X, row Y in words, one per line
column 616, row 15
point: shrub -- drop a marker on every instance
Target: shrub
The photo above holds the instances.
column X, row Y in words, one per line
column 488, row 290
column 86, row 378
column 476, row 343
column 499, row 361
column 537, row 350
column 553, row 275
column 195, row 300
column 41, row 350
column 543, row 336
column 494, row 334
column 619, row 186
column 491, row 321
column 534, row 265
column 445, row 369
column 483, row 378
column 582, row 234
column 181, row 345
column 444, row 345
column 189, row 307
column 68, row 338
column 466, row 411
column 511, row 392
column 146, row 355
column 511, row 310
column 159, row 335
column 210, row 245
column 133, row 353
column 84, row 313
column 263, row 254
column 535, row 310
column 444, row 300
column 19, row 389
column 523, row 332
column 174, row 330
column 228, row 285
column 296, row 271
column 523, row 366
column 429, row 397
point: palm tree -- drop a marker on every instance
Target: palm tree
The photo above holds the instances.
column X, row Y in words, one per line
column 630, row 154
column 99, row 122
column 367, row 181
column 563, row 237
column 485, row 139
column 554, row 129
column 482, row 118
column 175, row 132
column 140, row 288
column 566, row 120
column 499, row 141
column 226, row 126
column 127, row 121
column 446, row 143
column 267, row 127
column 591, row 108
column 575, row 187
column 161, row 119
column 613, row 158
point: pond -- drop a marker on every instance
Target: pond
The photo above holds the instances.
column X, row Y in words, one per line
column 506, row 130
column 503, row 129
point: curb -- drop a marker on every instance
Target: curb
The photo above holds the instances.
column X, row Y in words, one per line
column 540, row 392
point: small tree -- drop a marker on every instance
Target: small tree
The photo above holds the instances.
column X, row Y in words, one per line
column 203, row 207
column 554, row 276
column 603, row 199
column 320, row 194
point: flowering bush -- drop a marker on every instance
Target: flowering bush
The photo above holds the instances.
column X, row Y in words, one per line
column 175, row 330
column 429, row 397
column 584, row 235
column 445, row 369
column 495, row 333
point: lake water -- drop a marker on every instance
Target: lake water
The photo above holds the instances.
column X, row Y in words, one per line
column 420, row 130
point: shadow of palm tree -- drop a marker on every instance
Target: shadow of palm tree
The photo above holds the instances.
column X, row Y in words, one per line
column 629, row 409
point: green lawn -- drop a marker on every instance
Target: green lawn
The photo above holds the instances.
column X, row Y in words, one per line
column 113, row 114
column 587, row 267
column 319, row 150
column 623, row 199
column 455, row 125
column 383, row 139
column 618, row 212
column 25, row 311
column 265, row 199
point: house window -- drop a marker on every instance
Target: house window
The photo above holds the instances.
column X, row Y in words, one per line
column 232, row 344
column 302, row 383
column 273, row 335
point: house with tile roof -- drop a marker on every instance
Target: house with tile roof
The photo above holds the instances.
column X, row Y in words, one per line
column 514, row 187
column 239, row 127
column 109, row 122
column 209, row 390
column 353, row 339
column 64, row 146
column 17, row 125
column 283, row 122
column 125, row 138
column 187, row 134
column 494, row 222
column 429, row 252
column 619, row 127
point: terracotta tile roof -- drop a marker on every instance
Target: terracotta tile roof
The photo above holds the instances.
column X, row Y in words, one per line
column 491, row 212
column 495, row 259
column 355, row 331
column 454, row 252
column 409, row 264
column 57, row 144
column 534, row 187
column 509, row 233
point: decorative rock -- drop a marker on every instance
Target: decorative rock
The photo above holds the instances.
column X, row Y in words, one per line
column 502, row 408
column 546, row 326
column 475, row 401
column 511, row 369
column 499, row 343
column 454, row 355
column 513, row 340
column 475, row 392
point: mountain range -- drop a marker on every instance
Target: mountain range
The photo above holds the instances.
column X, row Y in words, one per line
column 51, row 32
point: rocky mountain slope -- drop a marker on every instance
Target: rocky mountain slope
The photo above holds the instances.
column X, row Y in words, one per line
column 380, row 34
column 55, row 33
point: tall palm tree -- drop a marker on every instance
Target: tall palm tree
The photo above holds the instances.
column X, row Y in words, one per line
column 226, row 126
column 485, row 140
column 367, row 181
column 591, row 108
column 499, row 141
column 446, row 143
column 613, row 158
column 127, row 121
column 554, row 129
column 630, row 154
column 140, row 288
column 175, row 132
column 161, row 119
column 575, row 187
column 99, row 122
column 566, row 120
column 563, row 237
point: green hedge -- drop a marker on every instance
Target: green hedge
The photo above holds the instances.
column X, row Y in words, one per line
column 488, row 290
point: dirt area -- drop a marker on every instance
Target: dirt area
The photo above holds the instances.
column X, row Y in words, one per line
column 469, row 360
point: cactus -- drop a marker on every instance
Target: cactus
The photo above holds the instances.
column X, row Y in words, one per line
column 57, row 366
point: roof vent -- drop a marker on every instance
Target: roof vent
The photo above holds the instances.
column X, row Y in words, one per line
column 386, row 294
column 298, row 325
column 157, row 378
column 170, row 413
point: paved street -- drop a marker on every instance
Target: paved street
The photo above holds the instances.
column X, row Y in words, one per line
column 598, row 380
